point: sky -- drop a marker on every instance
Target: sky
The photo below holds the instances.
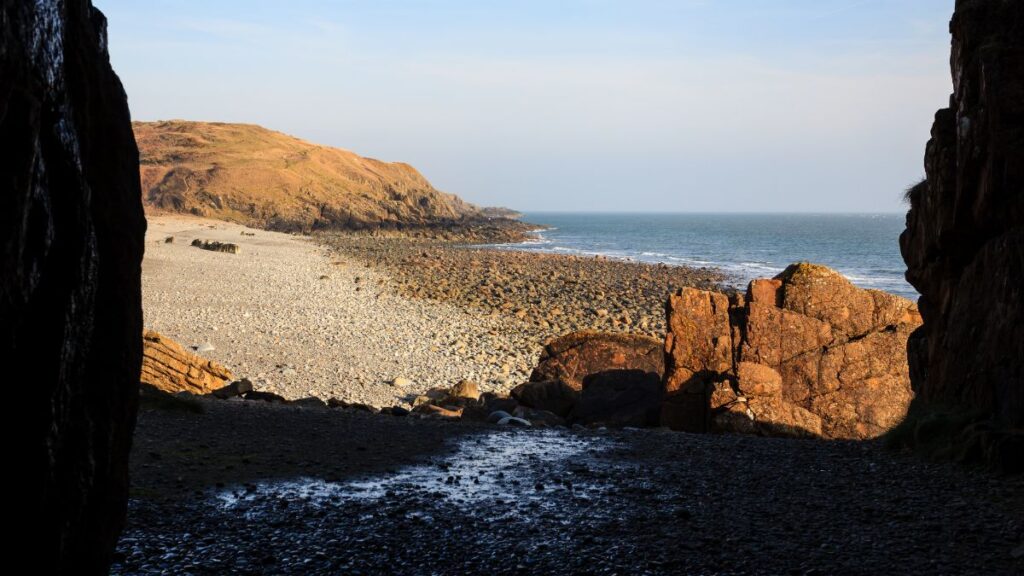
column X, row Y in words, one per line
column 574, row 105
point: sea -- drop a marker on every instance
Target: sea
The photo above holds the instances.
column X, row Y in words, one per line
column 864, row 247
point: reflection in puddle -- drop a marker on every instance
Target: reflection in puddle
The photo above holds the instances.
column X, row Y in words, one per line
column 510, row 466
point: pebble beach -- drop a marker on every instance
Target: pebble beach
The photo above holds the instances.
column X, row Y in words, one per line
column 342, row 316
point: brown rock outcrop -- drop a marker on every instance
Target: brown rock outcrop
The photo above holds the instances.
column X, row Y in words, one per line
column 72, row 228
column 574, row 357
column 805, row 353
column 964, row 240
column 168, row 366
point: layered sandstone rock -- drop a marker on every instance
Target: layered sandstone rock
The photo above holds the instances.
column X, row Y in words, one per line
column 964, row 241
column 805, row 353
column 168, row 366
column 72, row 229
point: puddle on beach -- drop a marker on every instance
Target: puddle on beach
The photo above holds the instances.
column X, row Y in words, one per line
column 509, row 466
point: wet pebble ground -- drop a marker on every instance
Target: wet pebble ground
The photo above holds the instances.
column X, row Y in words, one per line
column 254, row 489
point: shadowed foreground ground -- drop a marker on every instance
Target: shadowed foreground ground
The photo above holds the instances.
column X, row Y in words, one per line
column 259, row 489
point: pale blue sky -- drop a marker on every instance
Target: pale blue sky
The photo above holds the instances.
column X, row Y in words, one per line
column 644, row 105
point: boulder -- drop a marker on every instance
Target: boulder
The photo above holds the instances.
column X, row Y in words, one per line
column 492, row 402
column 964, row 239
column 167, row 366
column 619, row 398
column 722, row 395
column 539, row 417
column 310, row 402
column 553, row 396
column 804, row 353
column 215, row 246
column 736, row 418
column 497, row 416
column 236, row 388
column 265, row 397
column 465, row 390
column 438, row 411
column 72, row 230
column 758, row 380
column 363, row 407
column 514, row 421
column 573, row 357
column 776, row 417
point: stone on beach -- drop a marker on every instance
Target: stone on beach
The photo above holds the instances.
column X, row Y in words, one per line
column 236, row 388
column 465, row 389
column 552, row 395
column 514, row 421
column 573, row 357
column 168, row 366
column 215, row 246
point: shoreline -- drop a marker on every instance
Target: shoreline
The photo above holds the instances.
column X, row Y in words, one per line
column 684, row 239
column 303, row 319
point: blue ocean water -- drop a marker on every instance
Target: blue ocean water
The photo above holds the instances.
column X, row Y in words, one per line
column 864, row 247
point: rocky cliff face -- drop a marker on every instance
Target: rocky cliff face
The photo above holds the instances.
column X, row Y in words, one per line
column 806, row 354
column 248, row 174
column 70, row 300
column 964, row 241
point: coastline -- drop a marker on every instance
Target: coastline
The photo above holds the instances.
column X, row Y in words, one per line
column 743, row 246
column 343, row 315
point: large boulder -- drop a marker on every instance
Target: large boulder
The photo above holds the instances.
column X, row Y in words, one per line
column 619, row 398
column 553, row 396
column 72, row 229
column 964, row 239
column 573, row 357
column 171, row 368
column 804, row 353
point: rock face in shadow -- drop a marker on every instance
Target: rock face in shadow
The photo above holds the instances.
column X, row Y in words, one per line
column 804, row 354
column 72, row 228
column 169, row 367
column 964, row 241
column 598, row 378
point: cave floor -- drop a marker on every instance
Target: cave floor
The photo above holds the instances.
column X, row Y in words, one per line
column 252, row 488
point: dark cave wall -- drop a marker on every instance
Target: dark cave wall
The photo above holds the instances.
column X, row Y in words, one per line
column 964, row 240
column 70, row 294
